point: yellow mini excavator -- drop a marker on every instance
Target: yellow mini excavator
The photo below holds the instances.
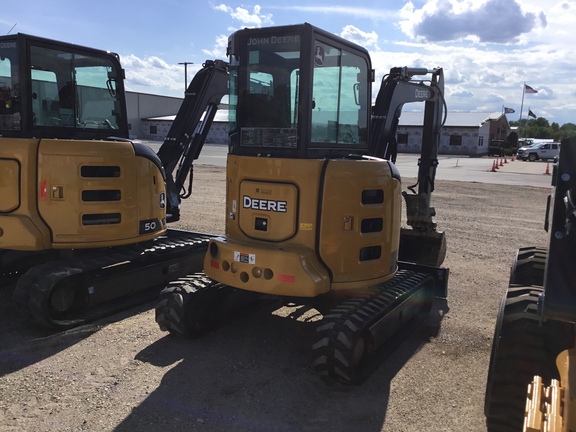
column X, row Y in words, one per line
column 84, row 210
column 314, row 200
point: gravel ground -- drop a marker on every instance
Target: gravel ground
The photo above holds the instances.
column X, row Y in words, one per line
column 255, row 374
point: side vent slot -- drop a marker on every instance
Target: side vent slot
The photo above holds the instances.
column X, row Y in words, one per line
column 101, row 219
column 370, row 253
column 372, row 225
column 372, row 196
column 100, row 195
column 99, row 171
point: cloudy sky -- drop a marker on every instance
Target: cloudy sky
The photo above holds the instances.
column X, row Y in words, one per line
column 488, row 48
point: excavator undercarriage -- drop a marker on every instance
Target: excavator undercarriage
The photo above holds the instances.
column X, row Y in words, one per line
column 68, row 292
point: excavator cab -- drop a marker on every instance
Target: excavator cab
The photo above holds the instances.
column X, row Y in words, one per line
column 50, row 89
column 298, row 92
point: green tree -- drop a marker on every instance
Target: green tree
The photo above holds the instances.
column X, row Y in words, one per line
column 541, row 128
column 567, row 130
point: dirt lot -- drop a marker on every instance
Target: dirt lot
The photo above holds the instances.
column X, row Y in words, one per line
column 124, row 374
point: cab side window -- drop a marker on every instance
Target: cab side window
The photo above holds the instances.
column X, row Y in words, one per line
column 339, row 107
column 72, row 90
column 45, row 99
column 9, row 96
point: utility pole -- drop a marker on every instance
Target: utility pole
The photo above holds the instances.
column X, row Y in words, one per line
column 185, row 75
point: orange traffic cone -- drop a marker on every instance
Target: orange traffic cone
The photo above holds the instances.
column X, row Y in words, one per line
column 547, row 168
column 505, row 160
column 512, row 160
column 493, row 166
column 501, row 163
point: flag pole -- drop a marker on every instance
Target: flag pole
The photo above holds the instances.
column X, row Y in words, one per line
column 522, row 105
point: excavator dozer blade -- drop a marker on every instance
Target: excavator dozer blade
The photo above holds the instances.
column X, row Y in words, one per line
column 421, row 247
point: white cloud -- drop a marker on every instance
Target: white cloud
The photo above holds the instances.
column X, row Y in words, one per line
column 487, row 21
column 479, row 79
column 154, row 75
column 561, row 19
column 247, row 19
column 219, row 50
column 359, row 37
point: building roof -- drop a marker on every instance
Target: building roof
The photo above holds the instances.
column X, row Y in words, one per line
column 408, row 118
column 221, row 116
column 160, row 118
column 454, row 119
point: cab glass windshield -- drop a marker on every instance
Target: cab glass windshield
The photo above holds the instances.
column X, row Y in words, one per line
column 72, row 90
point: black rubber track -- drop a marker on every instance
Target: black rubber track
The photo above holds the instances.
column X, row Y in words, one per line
column 189, row 305
column 521, row 349
column 340, row 329
column 34, row 288
column 528, row 266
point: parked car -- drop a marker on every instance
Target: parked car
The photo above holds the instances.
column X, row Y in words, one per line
column 544, row 151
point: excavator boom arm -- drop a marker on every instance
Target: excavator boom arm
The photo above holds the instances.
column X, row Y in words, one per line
column 185, row 138
column 423, row 243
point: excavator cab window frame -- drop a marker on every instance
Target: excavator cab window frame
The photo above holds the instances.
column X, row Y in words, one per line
column 344, row 133
column 76, row 128
column 291, row 64
column 83, row 99
column 10, row 95
column 262, row 102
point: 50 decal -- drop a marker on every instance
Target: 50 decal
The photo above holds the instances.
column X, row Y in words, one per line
column 150, row 225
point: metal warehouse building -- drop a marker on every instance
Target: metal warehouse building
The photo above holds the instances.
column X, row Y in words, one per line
column 465, row 133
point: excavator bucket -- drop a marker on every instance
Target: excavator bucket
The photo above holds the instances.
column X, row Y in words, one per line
column 422, row 244
column 422, row 247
